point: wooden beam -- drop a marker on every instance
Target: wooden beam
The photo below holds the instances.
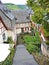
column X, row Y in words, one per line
column 3, row 23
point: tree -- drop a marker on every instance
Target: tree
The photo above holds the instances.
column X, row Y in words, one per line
column 44, row 3
column 30, row 3
column 40, row 8
column 38, row 15
column 41, row 13
column 38, row 11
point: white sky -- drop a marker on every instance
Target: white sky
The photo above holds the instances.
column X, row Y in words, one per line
column 15, row 1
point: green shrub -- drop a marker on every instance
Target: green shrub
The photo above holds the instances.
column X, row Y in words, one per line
column 32, row 48
column 47, row 42
column 10, row 40
column 29, row 39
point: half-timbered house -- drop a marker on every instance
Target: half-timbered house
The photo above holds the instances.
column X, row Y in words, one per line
column 13, row 22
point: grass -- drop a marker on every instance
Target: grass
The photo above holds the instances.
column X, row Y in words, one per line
column 15, row 7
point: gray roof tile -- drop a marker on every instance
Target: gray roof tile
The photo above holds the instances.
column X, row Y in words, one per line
column 10, row 18
column 6, row 11
column 21, row 16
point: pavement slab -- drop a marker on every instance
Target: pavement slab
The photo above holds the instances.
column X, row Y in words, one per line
column 23, row 57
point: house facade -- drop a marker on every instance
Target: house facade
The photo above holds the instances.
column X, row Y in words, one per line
column 13, row 23
column 22, row 19
column 3, row 31
column 25, row 27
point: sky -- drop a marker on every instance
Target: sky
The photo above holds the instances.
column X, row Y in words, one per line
column 22, row 2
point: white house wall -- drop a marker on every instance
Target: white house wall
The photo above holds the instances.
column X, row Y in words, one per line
column 23, row 25
column 13, row 36
column 18, row 31
column 6, row 35
column 1, row 37
column 11, row 33
column 2, row 31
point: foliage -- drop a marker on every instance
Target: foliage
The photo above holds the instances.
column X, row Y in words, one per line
column 47, row 42
column 38, row 11
column 44, row 3
column 40, row 8
column 32, row 42
column 15, row 7
column 46, row 33
column 30, row 3
column 38, row 15
column 32, row 48
column 9, row 59
column 10, row 40
column 41, row 13
column 29, row 39
column 46, row 26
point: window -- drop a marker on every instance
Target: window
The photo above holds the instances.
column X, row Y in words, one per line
column 4, row 36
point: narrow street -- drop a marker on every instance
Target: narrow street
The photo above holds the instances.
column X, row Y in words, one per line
column 22, row 57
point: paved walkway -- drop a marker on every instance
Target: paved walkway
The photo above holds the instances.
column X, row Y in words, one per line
column 22, row 57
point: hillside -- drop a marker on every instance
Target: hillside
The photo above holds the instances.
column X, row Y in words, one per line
column 15, row 7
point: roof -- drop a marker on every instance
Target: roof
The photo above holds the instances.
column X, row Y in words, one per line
column 7, row 17
column 6, row 21
column 22, row 16
column 6, row 11
column 10, row 18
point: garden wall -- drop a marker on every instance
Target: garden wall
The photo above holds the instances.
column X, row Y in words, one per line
column 45, row 49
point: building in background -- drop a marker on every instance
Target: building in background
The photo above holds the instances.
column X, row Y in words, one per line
column 13, row 23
